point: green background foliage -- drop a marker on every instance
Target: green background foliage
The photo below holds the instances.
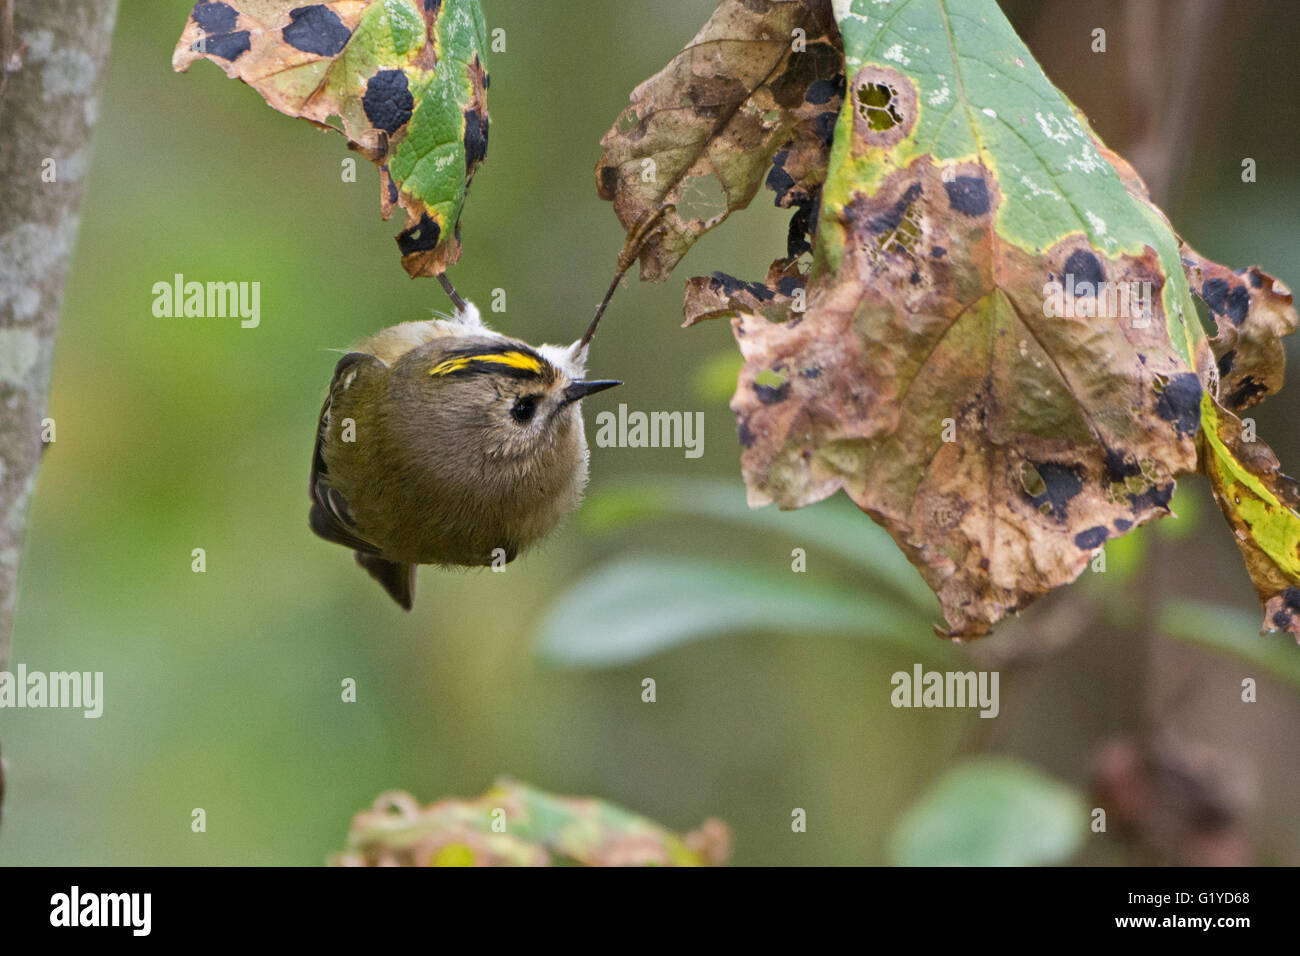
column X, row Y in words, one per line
column 223, row 689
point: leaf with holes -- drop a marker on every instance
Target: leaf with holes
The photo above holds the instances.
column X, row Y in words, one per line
column 404, row 78
column 1252, row 311
column 999, row 358
column 760, row 84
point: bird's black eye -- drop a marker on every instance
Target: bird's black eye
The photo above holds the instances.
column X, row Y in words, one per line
column 523, row 409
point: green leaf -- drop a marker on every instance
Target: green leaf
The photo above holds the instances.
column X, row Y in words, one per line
column 832, row 526
column 1232, row 632
column 960, row 85
column 631, row 609
column 991, row 811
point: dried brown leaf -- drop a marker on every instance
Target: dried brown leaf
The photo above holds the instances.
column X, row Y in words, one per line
column 701, row 133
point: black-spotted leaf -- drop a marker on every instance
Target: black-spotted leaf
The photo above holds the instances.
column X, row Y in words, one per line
column 405, row 79
column 996, row 354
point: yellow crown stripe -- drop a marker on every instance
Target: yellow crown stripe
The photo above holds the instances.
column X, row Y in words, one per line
column 511, row 359
column 514, row 360
column 451, row 365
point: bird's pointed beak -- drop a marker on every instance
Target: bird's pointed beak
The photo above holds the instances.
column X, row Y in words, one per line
column 580, row 390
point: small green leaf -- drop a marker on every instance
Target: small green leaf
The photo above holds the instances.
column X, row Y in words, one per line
column 633, row 608
column 832, row 526
column 991, row 811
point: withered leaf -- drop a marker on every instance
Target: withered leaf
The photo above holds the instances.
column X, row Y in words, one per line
column 760, row 80
column 780, row 294
column 406, row 80
column 1252, row 311
column 541, row 829
column 999, row 359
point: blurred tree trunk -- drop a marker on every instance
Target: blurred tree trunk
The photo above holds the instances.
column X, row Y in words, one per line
column 52, row 57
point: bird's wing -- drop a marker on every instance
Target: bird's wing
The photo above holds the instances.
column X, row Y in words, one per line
column 331, row 517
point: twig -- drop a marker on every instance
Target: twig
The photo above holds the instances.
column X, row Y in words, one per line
column 646, row 228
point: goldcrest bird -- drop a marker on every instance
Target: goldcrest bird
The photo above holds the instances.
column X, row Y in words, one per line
column 444, row 442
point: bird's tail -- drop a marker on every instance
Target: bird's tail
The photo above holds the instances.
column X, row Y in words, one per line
column 398, row 579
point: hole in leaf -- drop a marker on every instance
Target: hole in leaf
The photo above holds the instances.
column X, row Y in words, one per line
column 770, row 377
column 702, row 199
column 1208, row 323
column 876, row 106
column 1033, row 483
column 904, row 238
